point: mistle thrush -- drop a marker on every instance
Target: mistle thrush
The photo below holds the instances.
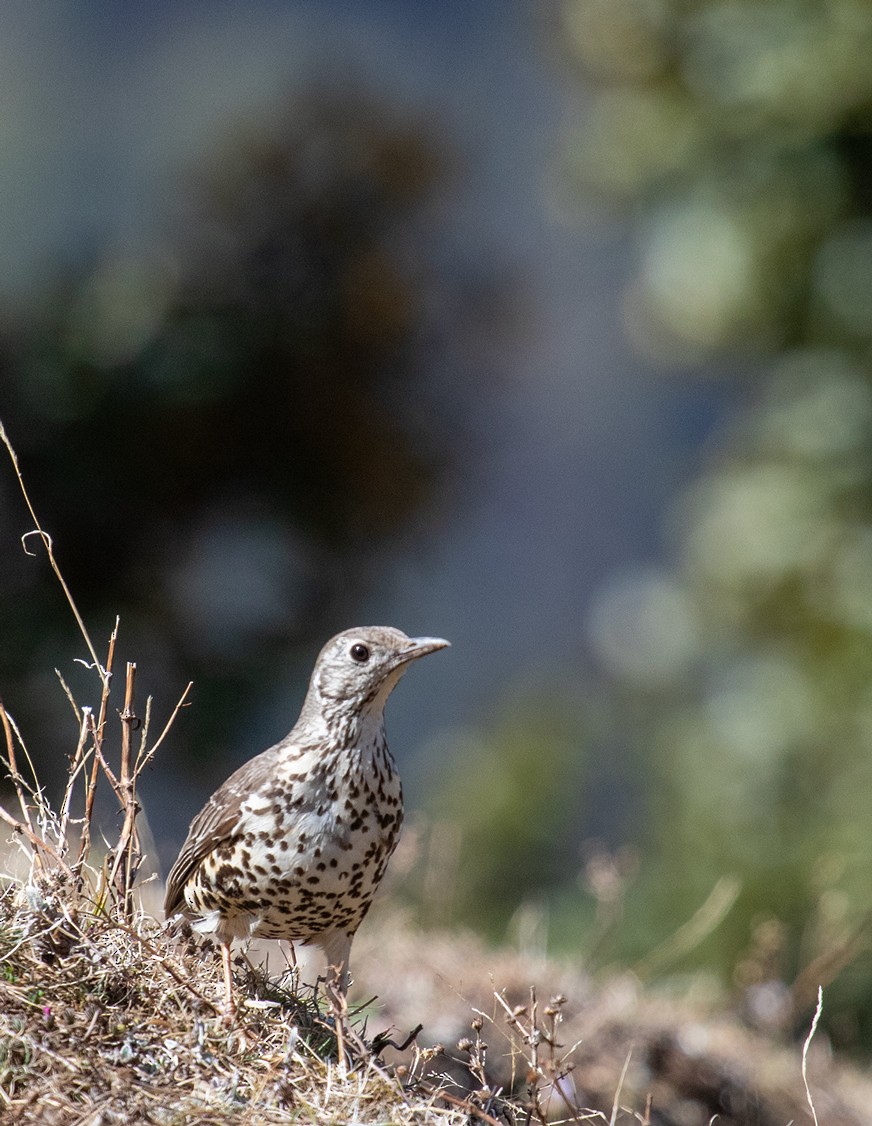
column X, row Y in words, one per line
column 295, row 843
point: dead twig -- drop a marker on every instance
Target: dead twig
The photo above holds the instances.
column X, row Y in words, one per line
column 36, row 840
column 17, row 780
column 78, row 764
column 143, row 759
column 49, row 548
column 97, row 731
column 805, row 1049
column 127, row 853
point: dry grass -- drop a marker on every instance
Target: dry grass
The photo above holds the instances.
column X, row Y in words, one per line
column 104, row 1022
column 106, row 1016
column 689, row 1053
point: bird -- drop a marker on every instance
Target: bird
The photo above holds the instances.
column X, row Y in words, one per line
column 295, row 843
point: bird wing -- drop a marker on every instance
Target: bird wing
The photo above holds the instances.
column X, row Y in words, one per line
column 216, row 823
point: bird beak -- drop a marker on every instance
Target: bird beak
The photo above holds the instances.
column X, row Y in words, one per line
column 421, row 646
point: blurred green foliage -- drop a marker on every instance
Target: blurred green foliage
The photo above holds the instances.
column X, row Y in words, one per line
column 736, row 137
column 512, row 796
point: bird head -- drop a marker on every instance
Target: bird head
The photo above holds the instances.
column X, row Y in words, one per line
column 359, row 668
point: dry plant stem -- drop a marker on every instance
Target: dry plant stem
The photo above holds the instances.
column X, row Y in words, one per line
column 555, row 1067
column 69, row 695
column 690, row 934
column 36, row 840
column 100, row 728
column 78, row 764
column 145, row 757
column 16, row 779
column 534, row 1072
column 127, row 717
column 533, row 1038
column 33, row 790
column 91, row 784
column 805, row 1048
column 127, row 850
column 462, row 1104
column 162, row 961
column 617, row 1103
column 47, row 542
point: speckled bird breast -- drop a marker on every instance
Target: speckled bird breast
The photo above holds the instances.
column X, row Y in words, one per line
column 311, row 847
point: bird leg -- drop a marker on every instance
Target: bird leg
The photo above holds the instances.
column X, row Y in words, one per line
column 339, row 1005
column 336, row 945
column 229, row 1009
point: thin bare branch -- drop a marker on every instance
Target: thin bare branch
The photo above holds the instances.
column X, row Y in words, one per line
column 77, row 766
column 142, row 749
column 805, row 1049
column 617, row 1103
column 140, row 766
column 37, row 841
column 16, row 777
column 47, row 543
column 91, row 783
column 68, row 692
column 104, row 765
column 126, row 850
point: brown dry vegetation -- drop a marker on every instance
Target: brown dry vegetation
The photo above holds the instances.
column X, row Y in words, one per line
column 109, row 1016
column 105, row 1020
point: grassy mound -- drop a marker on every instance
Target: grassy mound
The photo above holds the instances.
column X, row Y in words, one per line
column 106, row 1021
column 108, row 1016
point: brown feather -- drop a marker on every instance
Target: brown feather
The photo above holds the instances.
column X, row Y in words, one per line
column 216, row 822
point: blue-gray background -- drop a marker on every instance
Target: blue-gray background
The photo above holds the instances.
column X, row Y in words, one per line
column 578, row 449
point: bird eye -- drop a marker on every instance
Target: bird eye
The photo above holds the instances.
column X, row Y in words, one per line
column 359, row 653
